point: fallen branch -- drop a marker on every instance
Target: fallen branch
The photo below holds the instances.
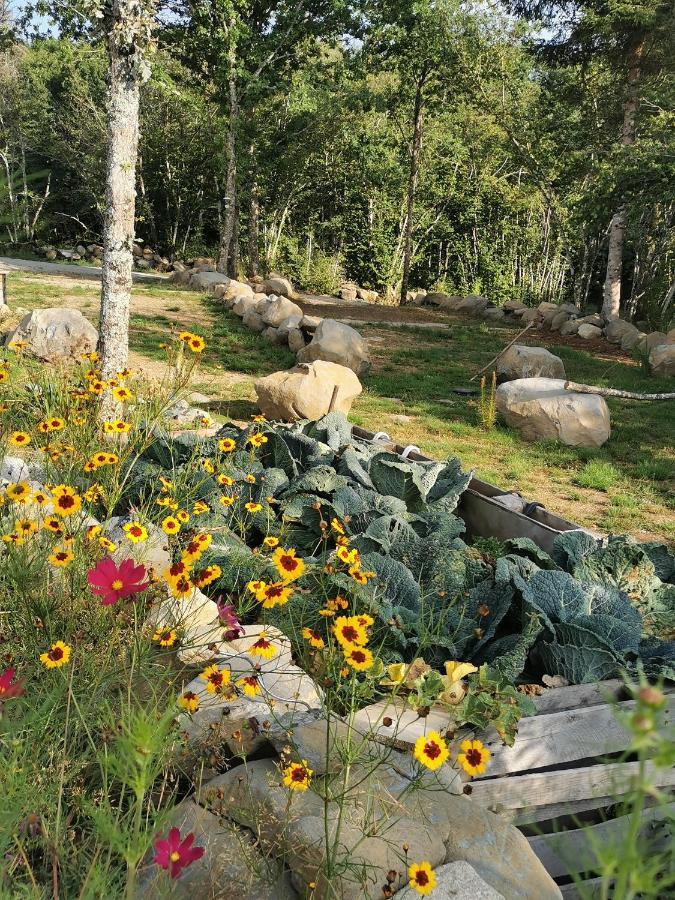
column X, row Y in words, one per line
column 614, row 392
column 502, row 352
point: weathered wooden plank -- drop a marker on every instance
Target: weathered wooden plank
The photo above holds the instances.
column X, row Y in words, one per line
column 522, row 791
column 562, row 737
column 575, row 696
column 546, row 811
column 573, row 851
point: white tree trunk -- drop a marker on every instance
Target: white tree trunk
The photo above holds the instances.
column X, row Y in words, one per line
column 611, row 298
column 120, row 199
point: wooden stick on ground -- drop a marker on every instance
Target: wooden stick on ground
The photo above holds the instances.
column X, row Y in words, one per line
column 614, row 392
column 502, row 352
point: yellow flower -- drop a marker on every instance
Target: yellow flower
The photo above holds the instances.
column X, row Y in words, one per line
column 297, row 776
column 226, row 500
column 19, row 439
column 262, row 647
column 253, row 507
column 217, row 680
column 60, row 557
column 359, row 658
column 40, row 498
column 431, row 750
column 249, row 685
column 207, row 576
column 258, row 418
column 19, row 492
column 225, row 480
column 257, row 439
column 66, row 500
column 473, row 758
column 4, row 375
column 226, row 445
column 58, row 655
column 122, row 393
column 17, row 345
column 208, row 466
column 336, row 525
column 271, row 542
column 170, row 525
column 183, row 516
column 53, row 524
column 25, row 527
column 189, row 701
column 349, row 632
column 287, row 564
column 455, row 689
column 165, row 637
column 107, row 544
column 117, row 426
column 359, row 576
column 422, row 877
column 200, row 508
column 135, row 532
column 396, row 673
column 276, row 594
column 314, row 638
column 97, row 387
column 195, row 343
column 249, row 479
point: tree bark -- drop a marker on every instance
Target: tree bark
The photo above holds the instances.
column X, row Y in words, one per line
column 412, row 183
column 253, row 231
column 226, row 264
column 611, row 301
column 120, row 196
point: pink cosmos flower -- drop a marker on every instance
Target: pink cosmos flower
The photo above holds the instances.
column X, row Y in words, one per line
column 8, row 687
column 173, row 854
column 112, row 582
column 229, row 619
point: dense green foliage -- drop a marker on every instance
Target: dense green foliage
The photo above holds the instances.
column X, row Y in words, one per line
column 586, row 613
column 521, row 168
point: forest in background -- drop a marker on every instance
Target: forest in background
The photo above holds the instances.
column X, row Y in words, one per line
column 473, row 148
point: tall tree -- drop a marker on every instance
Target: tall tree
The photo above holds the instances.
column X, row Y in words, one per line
column 629, row 36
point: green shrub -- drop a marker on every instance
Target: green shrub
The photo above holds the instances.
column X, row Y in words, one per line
column 598, row 474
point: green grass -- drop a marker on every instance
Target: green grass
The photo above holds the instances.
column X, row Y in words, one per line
column 413, row 373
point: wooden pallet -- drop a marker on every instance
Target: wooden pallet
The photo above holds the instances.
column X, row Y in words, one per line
column 557, row 768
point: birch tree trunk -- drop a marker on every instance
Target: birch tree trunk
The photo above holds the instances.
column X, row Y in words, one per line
column 226, row 264
column 611, row 300
column 120, row 197
column 412, row 184
column 253, row 231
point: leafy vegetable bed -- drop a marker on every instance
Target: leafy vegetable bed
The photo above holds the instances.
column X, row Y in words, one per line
column 585, row 613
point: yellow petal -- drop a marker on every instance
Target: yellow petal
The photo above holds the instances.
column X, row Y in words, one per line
column 455, row 671
column 396, row 673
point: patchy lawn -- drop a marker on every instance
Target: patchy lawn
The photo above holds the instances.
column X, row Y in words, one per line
column 626, row 486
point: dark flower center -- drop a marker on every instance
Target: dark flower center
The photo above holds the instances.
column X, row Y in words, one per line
column 432, row 750
column 422, row 879
column 55, row 654
column 474, row 757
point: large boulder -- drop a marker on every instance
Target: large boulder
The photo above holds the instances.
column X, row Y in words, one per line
column 55, row 334
column 570, row 327
column 456, row 881
column 232, row 868
column 589, row 332
column 541, row 409
column 305, row 391
column 473, row 304
column 520, row 361
column 253, row 320
column 616, row 329
column 243, row 303
column 277, row 284
column 655, row 339
column 338, row 343
column 230, row 289
column 662, row 360
column 383, row 824
column 632, row 339
column 207, row 281
column 279, row 309
column 530, row 315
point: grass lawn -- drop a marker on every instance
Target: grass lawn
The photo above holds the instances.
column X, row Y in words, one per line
column 625, row 487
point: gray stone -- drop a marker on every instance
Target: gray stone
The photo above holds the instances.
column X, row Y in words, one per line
column 14, row 469
column 530, row 315
column 367, row 295
column 310, row 323
column 593, row 319
column 381, row 816
column 181, row 277
column 493, row 314
column 153, row 553
column 474, row 304
column 55, row 334
column 50, row 255
column 546, row 305
column 437, row 298
column 206, row 281
column 271, row 335
column 305, row 392
column 456, row 881
column 541, row 408
column 232, row 868
column 670, row 337
column 615, row 330
column 230, row 289
column 589, row 332
column 337, row 343
column 277, row 284
column 569, row 328
column 631, row 339
column 348, row 292
column 655, row 339
column 513, row 305
column 521, row 361
column 280, row 309
column 143, row 264
column 559, row 320
column 296, row 340
column 662, row 360
column 243, row 304
column 253, row 320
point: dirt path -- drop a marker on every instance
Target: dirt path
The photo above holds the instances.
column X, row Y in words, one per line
column 51, row 268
